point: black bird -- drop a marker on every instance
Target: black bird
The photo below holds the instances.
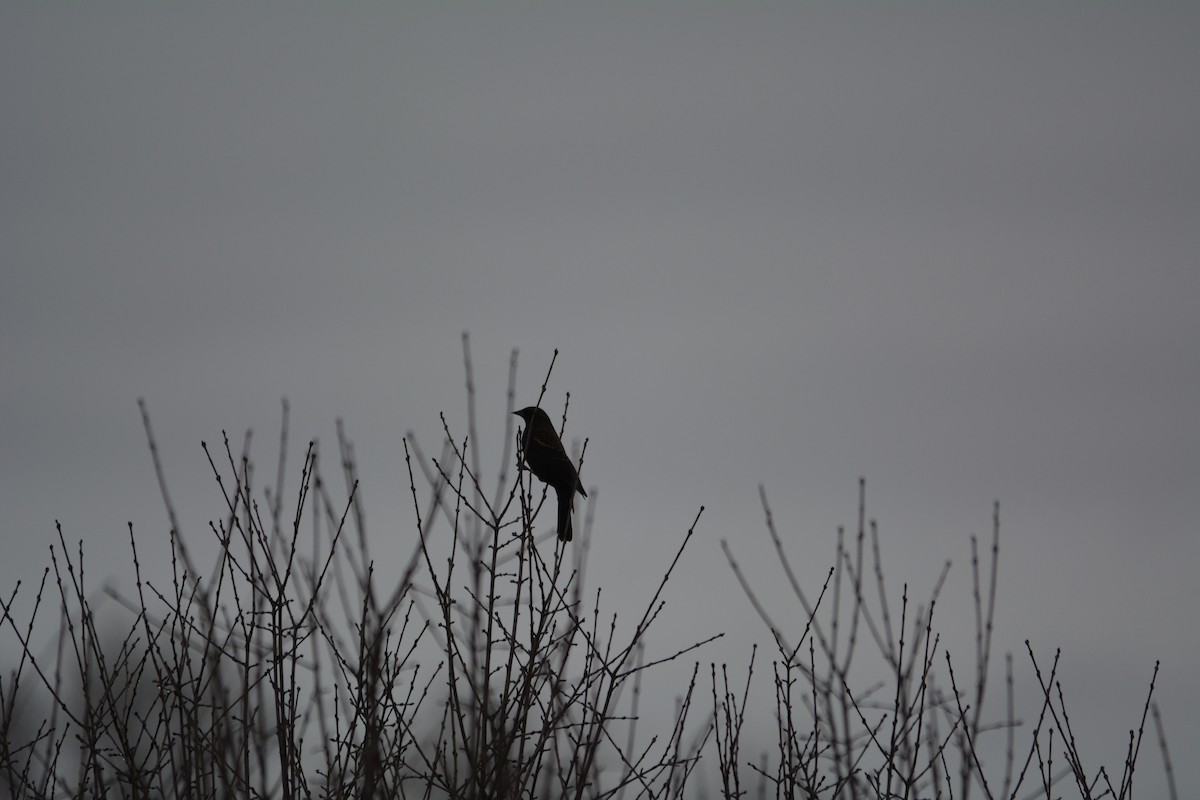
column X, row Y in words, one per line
column 546, row 458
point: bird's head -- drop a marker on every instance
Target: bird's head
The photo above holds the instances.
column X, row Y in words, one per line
column 530, row 413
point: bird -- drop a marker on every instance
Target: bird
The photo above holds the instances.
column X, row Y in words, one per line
column 546, row 459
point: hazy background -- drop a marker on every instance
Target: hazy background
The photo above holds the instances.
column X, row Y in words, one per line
column 950, row 249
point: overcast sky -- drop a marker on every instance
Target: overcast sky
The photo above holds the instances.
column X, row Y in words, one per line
column 953, row 250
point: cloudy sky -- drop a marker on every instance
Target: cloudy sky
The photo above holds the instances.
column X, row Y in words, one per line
column 953, row 250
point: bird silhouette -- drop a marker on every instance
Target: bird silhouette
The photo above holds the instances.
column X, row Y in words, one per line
column 546, row 458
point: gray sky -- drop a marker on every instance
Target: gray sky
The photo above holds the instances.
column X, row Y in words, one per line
column 950, row 249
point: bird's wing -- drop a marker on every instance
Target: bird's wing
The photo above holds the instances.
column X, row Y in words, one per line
column 550, row 443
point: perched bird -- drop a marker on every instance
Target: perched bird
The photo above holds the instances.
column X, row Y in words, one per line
column 546, row 458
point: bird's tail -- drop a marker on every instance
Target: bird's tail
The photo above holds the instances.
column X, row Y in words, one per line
column 565, row 533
